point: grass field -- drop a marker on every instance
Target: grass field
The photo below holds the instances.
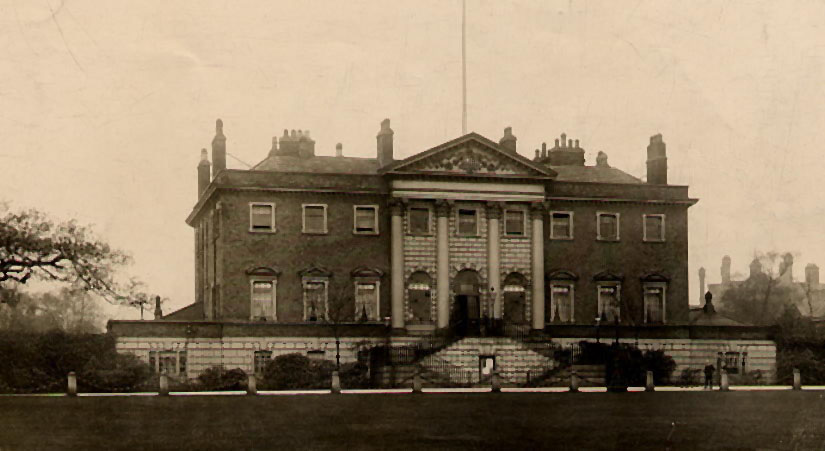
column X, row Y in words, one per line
column 704, row 420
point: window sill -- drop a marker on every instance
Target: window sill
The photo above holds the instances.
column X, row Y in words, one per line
column 365, row 233
column 654, row 241
column 560, row 238
column 608, row 240
column 516, row 237
column 314, row 233
column 420, row 234
column 269, row 231
column 467, row 236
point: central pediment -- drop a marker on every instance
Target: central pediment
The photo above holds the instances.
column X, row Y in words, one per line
column 470, row 155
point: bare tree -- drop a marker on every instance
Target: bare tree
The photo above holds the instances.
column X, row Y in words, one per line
column 34, row 246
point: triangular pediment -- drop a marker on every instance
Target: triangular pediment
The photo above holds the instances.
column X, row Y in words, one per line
column 471, row 154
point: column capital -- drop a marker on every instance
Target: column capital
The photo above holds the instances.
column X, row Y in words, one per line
column 494, row 210
column 443, row 207
column 538, row 209
column 397, row 205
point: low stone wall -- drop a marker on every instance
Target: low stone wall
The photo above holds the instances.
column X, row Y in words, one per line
column 239, row 352
column 696, row 353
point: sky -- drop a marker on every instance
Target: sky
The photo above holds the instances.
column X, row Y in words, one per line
column 106, row 105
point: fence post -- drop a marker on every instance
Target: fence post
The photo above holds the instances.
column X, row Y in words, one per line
column 336, row 382
column 71, row 388
column 163, row 385
column 251, row 385
column 574, row 382
column 723, row 383
column 417, row 382
column 797, row 379
column 649, row 386
column 496, row 382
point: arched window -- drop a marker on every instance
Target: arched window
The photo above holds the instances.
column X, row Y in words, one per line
column 419, row 291
column 515, row 300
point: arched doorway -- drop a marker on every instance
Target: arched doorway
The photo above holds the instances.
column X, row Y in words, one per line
column 515, row 299
column 466, row 313
column 419, row 295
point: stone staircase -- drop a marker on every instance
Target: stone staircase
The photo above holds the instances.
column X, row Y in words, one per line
column 459, row 363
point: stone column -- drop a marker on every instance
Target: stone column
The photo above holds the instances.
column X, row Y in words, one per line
column 397, row 210
column 443, row 264
column 494, row 255
column 537, row 215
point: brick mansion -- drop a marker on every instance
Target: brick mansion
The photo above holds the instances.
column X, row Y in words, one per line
column 503, row 251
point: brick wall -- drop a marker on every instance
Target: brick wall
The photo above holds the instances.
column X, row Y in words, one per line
column 290, row 251
column 630, row 257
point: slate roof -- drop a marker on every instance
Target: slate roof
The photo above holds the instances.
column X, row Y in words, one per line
column 319, row 164
column 190, row 312
column 597, row 174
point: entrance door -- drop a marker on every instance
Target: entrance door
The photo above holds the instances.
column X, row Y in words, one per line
column 467, row 309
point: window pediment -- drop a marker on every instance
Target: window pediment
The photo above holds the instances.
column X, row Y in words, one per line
column 366, row 272
column 655, row 277
column 264, row 271
column 562, row 274
column 608, row 276
column 315, row 271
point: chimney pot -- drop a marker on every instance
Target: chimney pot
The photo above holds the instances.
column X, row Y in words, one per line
column 557, row 143
column 577, row 144
column 339, row 150
column 538, row 154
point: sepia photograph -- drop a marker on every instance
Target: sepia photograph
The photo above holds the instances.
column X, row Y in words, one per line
column 402, row 225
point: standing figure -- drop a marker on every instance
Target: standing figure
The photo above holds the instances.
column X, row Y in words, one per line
column 709, row 370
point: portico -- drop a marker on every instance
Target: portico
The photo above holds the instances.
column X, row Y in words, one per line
column 487, row 208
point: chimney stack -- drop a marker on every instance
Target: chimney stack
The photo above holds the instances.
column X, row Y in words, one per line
column 812, row 275
column 701, row 283
column 204, row 176
column 786, row 268
column 755, row 267
column 601, row 160
column 158, row 311
column 725, row 270
column 274, row 150
column 508, row 141
column 306, row 146
column 339, row 150
column 384, row 139
column 567, row 152
column 218, row 149
column 657, row 161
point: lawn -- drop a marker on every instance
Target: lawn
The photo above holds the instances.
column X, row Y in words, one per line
column 704, row 420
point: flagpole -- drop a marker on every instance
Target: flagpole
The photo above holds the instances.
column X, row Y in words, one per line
column 463, row 67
